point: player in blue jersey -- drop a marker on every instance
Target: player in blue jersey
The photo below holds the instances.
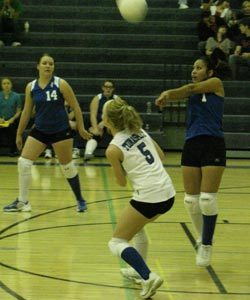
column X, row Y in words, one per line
column 134, row 156
column 97, row 128
column 204, row 154
column 48, row 94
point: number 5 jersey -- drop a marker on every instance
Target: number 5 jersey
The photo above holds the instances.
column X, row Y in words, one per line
column 143, row 167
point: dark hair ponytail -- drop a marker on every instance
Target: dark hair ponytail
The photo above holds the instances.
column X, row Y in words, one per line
column 220, row 67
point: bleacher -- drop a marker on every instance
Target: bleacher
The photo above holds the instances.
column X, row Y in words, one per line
column 90, row 42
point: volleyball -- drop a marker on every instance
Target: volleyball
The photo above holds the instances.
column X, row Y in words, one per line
column 133, row 11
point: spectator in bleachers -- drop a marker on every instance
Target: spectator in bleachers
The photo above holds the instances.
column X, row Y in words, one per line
column 222, row 9
column 241, row 56
column 205, row 4
column 245, row 10
column 234, row 23
column 183, row 4
column 10, row 11
column 10, row 110
column 97, row 128
column 206, row 28
column 219, row 46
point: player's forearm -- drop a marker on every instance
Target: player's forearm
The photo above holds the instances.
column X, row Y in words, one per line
column 180, row 93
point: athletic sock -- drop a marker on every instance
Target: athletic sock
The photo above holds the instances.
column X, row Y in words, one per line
column 209, row 223
column 75, row 186
column 134, row 259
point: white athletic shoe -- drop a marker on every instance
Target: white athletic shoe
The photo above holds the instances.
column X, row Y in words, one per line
column 17, row 206
column 16, row 44
column 203, row 256
column 76, row 153
column 131, row 274
column 183, row 6
column 150, row 286
column 88, row 156
column 48, row 153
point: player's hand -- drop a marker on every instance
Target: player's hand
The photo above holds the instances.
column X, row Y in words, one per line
column 94, row 131
column 161, row 101
column 85, row 134
column 19, row 142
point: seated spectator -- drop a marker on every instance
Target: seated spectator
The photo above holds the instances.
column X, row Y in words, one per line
column 10, row 110
column 234, row 23
column 241, row 56
column 206, row 28
column 219, row 47
column 10, row 11
column 97, row 127
column 245, row 10
column 205, row 4
column 223, row 11
column 183, row 4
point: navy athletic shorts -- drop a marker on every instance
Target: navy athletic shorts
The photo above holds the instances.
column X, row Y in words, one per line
column 203, row 151
column 49, row 139
column 150, row 210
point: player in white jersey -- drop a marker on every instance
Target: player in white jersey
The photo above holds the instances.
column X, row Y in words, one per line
column 134, row 155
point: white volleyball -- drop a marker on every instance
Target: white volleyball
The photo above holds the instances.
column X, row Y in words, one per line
column 133, row 11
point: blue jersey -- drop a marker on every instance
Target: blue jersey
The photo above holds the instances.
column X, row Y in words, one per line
column 102, row 100
column 204, row 115
column 51, row 116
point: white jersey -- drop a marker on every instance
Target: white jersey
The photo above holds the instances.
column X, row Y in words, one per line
column 144, row 168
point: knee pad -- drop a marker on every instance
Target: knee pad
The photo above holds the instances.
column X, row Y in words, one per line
column 208, row 204
column 141, row 237
column 191, row 203
column 24, row 166
column 117, row 246
column 69, row 170
column 141, row 243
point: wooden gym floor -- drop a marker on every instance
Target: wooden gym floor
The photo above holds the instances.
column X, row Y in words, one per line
column 56, row 253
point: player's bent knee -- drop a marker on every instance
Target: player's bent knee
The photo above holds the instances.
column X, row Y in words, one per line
column 24, row 165
column 117, row 246
column 69, row 170
column 208, row 204
column 191, row 202
column 141, row 237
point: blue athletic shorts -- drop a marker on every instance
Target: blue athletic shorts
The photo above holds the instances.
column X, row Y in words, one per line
column 49, row 139
column 203, row 151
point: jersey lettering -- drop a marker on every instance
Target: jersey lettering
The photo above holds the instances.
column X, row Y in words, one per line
column 51, row 95
column 145, row 152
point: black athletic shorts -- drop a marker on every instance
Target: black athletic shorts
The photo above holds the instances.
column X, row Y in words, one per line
column 150, row 210
column 203, row 151
column 49, row 139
